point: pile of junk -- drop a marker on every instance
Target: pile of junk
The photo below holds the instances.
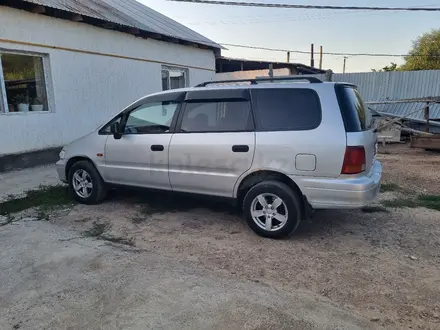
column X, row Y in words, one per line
column 416, row 120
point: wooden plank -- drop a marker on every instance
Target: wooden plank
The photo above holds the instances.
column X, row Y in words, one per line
column 426, row 142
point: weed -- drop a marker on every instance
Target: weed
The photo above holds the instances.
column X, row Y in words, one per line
column 374, row 209
column 385, row 187
column 44, row 198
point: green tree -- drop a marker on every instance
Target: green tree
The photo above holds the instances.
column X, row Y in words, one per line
column 425, row 53
column 391, row 67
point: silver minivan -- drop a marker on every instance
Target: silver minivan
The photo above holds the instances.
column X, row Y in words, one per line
column 280, row 148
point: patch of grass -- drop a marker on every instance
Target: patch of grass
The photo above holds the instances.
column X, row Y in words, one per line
column 374, row 209
column 428, row 201
column 400, row 202
column 44, row 198
column 97, row 230
column 385, row 187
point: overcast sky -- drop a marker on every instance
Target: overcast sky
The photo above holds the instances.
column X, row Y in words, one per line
column 336, row 31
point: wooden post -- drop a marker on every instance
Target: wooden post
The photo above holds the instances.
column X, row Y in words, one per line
column 328, row 75
column 312, row 56
column 288, row 57
column 345, row 59
column 427, row 117
column 320, row 57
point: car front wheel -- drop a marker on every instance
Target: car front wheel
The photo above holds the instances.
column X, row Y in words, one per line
column 85, row 183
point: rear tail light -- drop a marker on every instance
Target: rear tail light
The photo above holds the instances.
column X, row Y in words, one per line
column 354, row 160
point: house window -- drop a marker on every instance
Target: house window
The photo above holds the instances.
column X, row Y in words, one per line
column 173, row 78
column 22, row 83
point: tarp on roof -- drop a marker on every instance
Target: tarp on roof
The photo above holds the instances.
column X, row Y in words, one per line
column 128, row 13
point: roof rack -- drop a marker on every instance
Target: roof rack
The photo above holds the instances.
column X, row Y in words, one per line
column 312, row 80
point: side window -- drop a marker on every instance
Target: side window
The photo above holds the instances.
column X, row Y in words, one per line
column 287, row 109
column 151, row 118
column 227, row 116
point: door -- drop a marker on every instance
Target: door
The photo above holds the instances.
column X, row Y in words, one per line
column 213, row 145
column 140, row 156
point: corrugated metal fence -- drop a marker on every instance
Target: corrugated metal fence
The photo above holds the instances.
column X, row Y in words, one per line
column 396, row 85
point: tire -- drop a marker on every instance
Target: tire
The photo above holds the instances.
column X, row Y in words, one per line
column 284, row 219
column 96, row 192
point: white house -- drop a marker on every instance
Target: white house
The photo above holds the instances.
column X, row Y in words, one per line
column 66, row 66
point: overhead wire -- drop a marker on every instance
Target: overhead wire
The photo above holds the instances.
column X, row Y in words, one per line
column 326, row 53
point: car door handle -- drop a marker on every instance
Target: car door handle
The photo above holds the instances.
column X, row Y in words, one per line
column 157, row 147
column 240, row 148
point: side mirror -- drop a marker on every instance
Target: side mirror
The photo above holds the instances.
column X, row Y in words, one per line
column 115, row 129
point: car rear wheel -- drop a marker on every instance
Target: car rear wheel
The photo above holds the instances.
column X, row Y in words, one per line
column 85, row 183
column 272, row 209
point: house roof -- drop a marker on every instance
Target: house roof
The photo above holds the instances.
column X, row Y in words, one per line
column 119, row 14
column 228, row 64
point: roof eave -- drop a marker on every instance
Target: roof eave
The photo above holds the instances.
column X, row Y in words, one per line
column 105, row 24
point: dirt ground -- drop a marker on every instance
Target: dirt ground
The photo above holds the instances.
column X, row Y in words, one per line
column 382, row 265
column 51, row 281
column 415, row 170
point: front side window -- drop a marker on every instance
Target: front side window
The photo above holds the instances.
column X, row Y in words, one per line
column 287, row 109
column 173, row 78
column 151, row 118
column 22, row 83
column 228, row 116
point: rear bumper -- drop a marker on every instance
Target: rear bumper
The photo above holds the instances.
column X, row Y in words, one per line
column 344, row 192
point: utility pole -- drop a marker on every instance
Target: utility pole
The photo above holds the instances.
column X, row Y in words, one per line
column 320, row 57
column 271, row 70
column 288, row 57
column 312, row 56
column 345, row 59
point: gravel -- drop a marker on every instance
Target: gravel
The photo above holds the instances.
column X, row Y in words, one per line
column 381, row 264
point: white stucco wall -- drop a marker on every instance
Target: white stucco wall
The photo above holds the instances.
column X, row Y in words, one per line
column 251, row 74
column 87, row 88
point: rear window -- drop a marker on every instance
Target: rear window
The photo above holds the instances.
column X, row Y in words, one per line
column 356, row 116
column 286, row 109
